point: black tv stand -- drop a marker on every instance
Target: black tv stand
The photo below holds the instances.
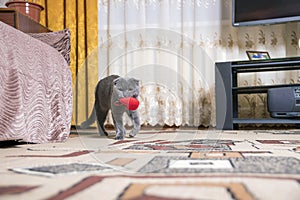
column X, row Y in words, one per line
column 228, row 90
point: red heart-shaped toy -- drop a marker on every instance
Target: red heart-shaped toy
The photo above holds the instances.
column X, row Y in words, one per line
column 130, row 103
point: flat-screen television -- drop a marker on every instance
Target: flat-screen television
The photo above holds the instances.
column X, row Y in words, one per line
column 260, row 12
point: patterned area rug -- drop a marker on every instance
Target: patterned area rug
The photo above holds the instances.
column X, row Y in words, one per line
column 156, row 166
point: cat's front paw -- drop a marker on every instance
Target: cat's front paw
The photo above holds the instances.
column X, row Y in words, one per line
column 119, row 137
column 132, row 135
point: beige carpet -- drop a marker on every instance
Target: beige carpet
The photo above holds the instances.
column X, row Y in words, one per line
column 158, row 164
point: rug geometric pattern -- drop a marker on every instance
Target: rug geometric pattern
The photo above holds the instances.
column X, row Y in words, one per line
column 279, row 141
column 251, row 164
column 15, row 189
column 184, row 145
column 63, row 169
column 174, row 188
column 192, row 191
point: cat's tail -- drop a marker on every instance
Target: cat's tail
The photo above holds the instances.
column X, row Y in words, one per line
column 90, row 120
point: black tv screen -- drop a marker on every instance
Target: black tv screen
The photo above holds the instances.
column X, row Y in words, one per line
column 260, row 12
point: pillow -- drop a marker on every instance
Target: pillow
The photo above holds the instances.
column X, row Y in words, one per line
column 59, row 40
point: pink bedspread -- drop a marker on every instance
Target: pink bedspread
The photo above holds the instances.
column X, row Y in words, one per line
column 35, row 89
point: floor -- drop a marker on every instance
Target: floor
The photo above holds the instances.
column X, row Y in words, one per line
column 158, row 164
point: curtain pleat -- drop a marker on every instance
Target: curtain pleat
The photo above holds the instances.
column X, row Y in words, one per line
column 151, row 41
column 81, row 17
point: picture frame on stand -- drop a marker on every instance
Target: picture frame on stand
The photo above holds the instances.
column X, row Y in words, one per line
column 258, row 55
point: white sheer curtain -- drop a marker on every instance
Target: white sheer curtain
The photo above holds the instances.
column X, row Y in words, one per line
column 172, row 47
column 154, row 41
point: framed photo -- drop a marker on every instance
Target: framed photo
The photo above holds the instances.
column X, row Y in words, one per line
column 258, row 55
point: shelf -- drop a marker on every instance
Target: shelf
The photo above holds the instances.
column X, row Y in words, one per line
column 259, row 89
column 266, row 65
column 250, row 69
column 275, row 61
column 266, row 121
column 21, row 22
column 228, row 90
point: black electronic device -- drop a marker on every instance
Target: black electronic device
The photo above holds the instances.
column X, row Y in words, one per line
column 284, row 102
column 259, row 12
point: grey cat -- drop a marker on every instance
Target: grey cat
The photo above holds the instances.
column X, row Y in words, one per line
column 108, row 91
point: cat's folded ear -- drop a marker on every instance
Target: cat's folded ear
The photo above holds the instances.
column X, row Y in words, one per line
column 136, row 81
column 116, row 81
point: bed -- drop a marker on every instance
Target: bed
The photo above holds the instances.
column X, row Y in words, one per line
column 35, row 88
